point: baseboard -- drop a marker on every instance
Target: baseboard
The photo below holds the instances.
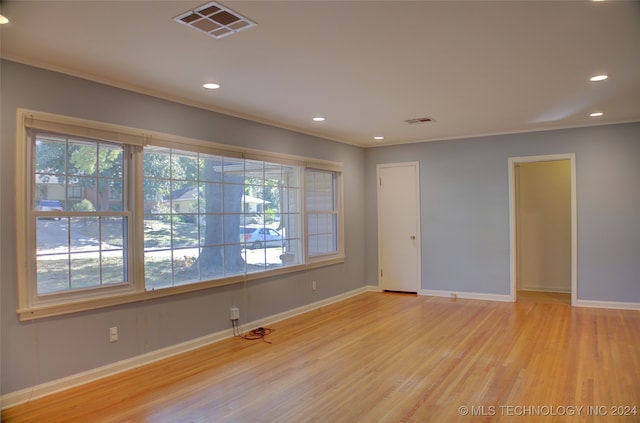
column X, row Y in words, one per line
column 608, row 304
column 306, row 308
column 48, row 388
column 466, row 295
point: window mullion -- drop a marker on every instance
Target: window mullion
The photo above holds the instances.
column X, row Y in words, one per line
column 135, row 231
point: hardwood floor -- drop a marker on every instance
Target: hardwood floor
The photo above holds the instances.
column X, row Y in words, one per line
column 544, row 297
column 383, row 357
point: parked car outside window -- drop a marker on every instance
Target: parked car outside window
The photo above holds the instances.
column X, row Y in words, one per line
column 49, row 205
column 260, row 237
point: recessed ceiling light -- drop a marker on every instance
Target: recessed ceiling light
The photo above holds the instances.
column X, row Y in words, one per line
column 597, row 78
column 378, row 137
column 318, row 119
column 596, row 114
column 211, row 86
column 3, row 20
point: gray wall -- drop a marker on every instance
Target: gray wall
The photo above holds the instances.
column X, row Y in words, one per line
column 465, row 223
column 465, row 208
column 47, row 349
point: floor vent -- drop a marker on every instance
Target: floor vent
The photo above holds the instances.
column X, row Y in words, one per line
column 215, row 20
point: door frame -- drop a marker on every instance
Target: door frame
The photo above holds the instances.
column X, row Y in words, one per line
column 513, row 162
column 416, row 166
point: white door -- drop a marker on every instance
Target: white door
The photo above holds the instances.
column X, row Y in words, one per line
column 399, row 227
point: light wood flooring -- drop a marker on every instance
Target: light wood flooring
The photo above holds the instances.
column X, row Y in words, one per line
column 383, row 357
column 543, row 297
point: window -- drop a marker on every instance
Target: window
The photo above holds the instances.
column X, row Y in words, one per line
column 209, row 216
column 81, row 241
column 113, row 216
column 322, row 212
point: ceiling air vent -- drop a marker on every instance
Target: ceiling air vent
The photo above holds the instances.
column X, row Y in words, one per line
column 421, row 120
column 215, row 20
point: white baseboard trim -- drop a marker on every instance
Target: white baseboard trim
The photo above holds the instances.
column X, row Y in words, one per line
column 48, row 388
column 608, row 304
column 466, row 295
column 24, row 395
column 304, row 309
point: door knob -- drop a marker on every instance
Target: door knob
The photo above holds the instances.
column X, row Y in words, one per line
column 413, row 237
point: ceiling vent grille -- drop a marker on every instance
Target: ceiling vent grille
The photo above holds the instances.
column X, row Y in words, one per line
column 215, row 20
column 426, row 119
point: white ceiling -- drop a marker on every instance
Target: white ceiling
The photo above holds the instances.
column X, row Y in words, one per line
column 476, row 67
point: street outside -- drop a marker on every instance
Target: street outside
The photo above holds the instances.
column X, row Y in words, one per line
column 54, row 238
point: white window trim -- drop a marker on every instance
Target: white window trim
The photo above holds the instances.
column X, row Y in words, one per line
column 339, row 255
column 29, row 309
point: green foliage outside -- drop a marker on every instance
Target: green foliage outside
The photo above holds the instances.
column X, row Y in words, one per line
column 83, row 206
column 92, row 165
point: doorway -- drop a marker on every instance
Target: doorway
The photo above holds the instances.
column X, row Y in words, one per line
column 543, row 228
column 399, row 255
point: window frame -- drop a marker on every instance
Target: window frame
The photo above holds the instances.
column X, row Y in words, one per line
column 243, row 169
column 338, row 190
column 64, row 296
column 30, row 306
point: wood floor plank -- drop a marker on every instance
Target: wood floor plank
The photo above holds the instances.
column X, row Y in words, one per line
column 384, row 357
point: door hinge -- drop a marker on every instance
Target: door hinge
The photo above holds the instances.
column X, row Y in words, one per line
column 381, row 273
column 380, row 181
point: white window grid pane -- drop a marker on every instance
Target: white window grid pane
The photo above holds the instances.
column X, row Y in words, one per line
column 202, row 211
column 75, row 250
column 322, row 216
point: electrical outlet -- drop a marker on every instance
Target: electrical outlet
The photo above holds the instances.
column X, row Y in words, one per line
column 234, row 313
column 113, row 334
column 313, row 285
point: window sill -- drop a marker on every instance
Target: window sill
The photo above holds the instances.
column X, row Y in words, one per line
column 56, row 309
